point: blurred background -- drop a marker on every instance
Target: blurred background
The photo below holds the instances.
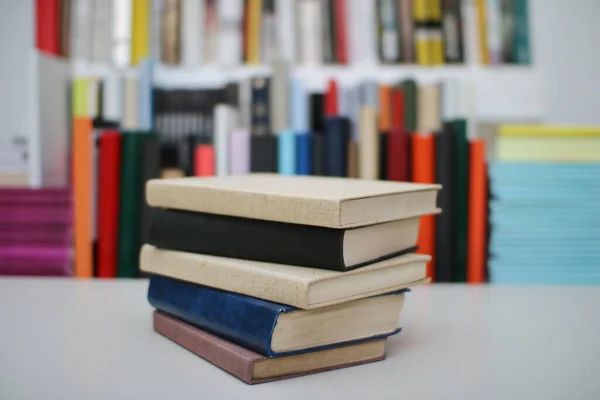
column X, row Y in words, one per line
column 495, row 99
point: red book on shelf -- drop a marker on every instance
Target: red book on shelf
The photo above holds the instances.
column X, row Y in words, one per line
column 423, row 171
column 477, row 247
column 204, row 160
column 341, row 33
column 331, row 99
column 398, row 108
column 47, row 15
column 398, row 155
column 109, row 171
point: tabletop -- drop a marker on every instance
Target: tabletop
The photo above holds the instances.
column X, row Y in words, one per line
column 76, row 339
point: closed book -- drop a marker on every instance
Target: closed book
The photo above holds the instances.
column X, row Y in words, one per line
column 423, row 171
column 239, row 152
column 129, row 210
column 318, row 155
column 109, row 171
column 307, row 200
column 445, row 224
column 478, row 215
column 260, row 119
column 341, row 30
column 282, row 243
column 368, row 144
column 302, row 287
column 398, row 155
column 406, row 31
column 383, row 154
column 389, row 34
column 521, row 48
column 337, row 136
column 411, row 95
column 263, row 153
column 47, row 15
column 273, row 329
column 304, row 153
column 35, row 261
column 253, row 368
column 286, row 141
column 150, row 163
column 140, row 36
column 461, row 197
column 452, row 29
column 204, row 160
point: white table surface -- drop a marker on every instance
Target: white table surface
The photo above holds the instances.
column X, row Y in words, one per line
column 68, row 339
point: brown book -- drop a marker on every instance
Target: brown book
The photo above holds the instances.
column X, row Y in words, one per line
column 170, row 25
column 352, row 159
column 253, row 368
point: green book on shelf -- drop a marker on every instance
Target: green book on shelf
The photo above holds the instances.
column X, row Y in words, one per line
column 410, row 89
column 130, row 194
column 461, row 198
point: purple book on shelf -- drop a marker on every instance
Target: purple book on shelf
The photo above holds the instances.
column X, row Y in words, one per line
column 23, row 213
column 35, row 236
column 41, row 261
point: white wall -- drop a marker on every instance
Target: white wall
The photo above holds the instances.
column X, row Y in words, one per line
column 566, row 40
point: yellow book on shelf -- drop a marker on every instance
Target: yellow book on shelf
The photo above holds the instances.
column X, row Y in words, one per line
column 434, row 10
column 80, row 97
column 436, row 47
column 484, row 53
column 423, row 48
column 538, row 143
column 140, row 35
column 420, row 10
column 254, row 22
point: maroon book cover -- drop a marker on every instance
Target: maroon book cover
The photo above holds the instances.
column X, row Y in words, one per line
column 242, row 363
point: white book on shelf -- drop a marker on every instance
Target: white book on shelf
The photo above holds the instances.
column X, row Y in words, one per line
column 192, row 18
column 102, row 31
column 112, row 106
column 470, row 34
column 229, row 21
column 225, row 121
column 130, row 102
column 310, row 43
column 286, row 28
column 364, row 23
column 81, row 30
column 121, row 32
column 93, row 90
column 494, row 30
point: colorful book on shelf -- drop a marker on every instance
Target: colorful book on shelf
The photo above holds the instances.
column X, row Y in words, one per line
column 272, row 329
column 253, row 368
column 478, row 216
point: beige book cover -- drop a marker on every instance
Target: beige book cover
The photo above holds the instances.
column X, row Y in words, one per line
column 368, row 140
column 301, row 287
column 307, row 200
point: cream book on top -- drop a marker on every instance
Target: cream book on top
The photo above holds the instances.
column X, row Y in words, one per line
column 301, row 287
column 306, row 200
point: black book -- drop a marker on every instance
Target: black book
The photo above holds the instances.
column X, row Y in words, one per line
column 445, row 221
column 263, row 153
column 317, row 113
column 281, row 243
column 318, row 155
column 260, row 118
column 452, row 31
column 337, row 136
column 383, row 145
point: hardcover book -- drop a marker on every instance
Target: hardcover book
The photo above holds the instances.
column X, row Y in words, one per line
column 301, row 287
column 277, row 242
column 273, row 329
column 251, row 367
column 319, row 201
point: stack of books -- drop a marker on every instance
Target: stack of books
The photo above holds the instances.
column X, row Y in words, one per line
column 270, row 277
column 35, row 232
column 545, row 213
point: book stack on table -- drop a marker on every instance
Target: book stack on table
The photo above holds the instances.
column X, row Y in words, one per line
column 270, row 276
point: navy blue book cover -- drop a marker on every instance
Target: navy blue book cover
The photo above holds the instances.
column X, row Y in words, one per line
column 244, row 320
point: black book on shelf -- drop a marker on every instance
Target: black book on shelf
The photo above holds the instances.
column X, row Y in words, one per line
column 263, row 153
column 337, row 136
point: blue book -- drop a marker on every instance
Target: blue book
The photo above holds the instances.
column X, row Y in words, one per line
column 252, row 322
column 304, row 153
column 287, row 152
column 337, row 136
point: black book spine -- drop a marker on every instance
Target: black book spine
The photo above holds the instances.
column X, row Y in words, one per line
column 248, row 239
column 383, row 145
column 452, row 31
column 445, row 224
column 263, row 153
column 317, row 113
column 260, row 118
column 337, row 136
column 318, row 155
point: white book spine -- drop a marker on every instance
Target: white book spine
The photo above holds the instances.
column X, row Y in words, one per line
column 494, row 31
column 367, row 32
column 245, row 102
column 470, row 36
column 81, row 33
column 286, row 29
column 224, row 120
column 102, row 29
column 311, row 46
column 111, row 97
column 93, row 98
column 229, row 20
column 450, row 99
column 191, row 34
column 121, row 29
column 130, row 106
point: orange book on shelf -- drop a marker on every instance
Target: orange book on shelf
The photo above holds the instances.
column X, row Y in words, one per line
column 423, row 171
column 82, row 195
column 477, row 247
column 385, row 108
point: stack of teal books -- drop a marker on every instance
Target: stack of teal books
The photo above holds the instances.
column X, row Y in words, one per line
column 545, row 211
